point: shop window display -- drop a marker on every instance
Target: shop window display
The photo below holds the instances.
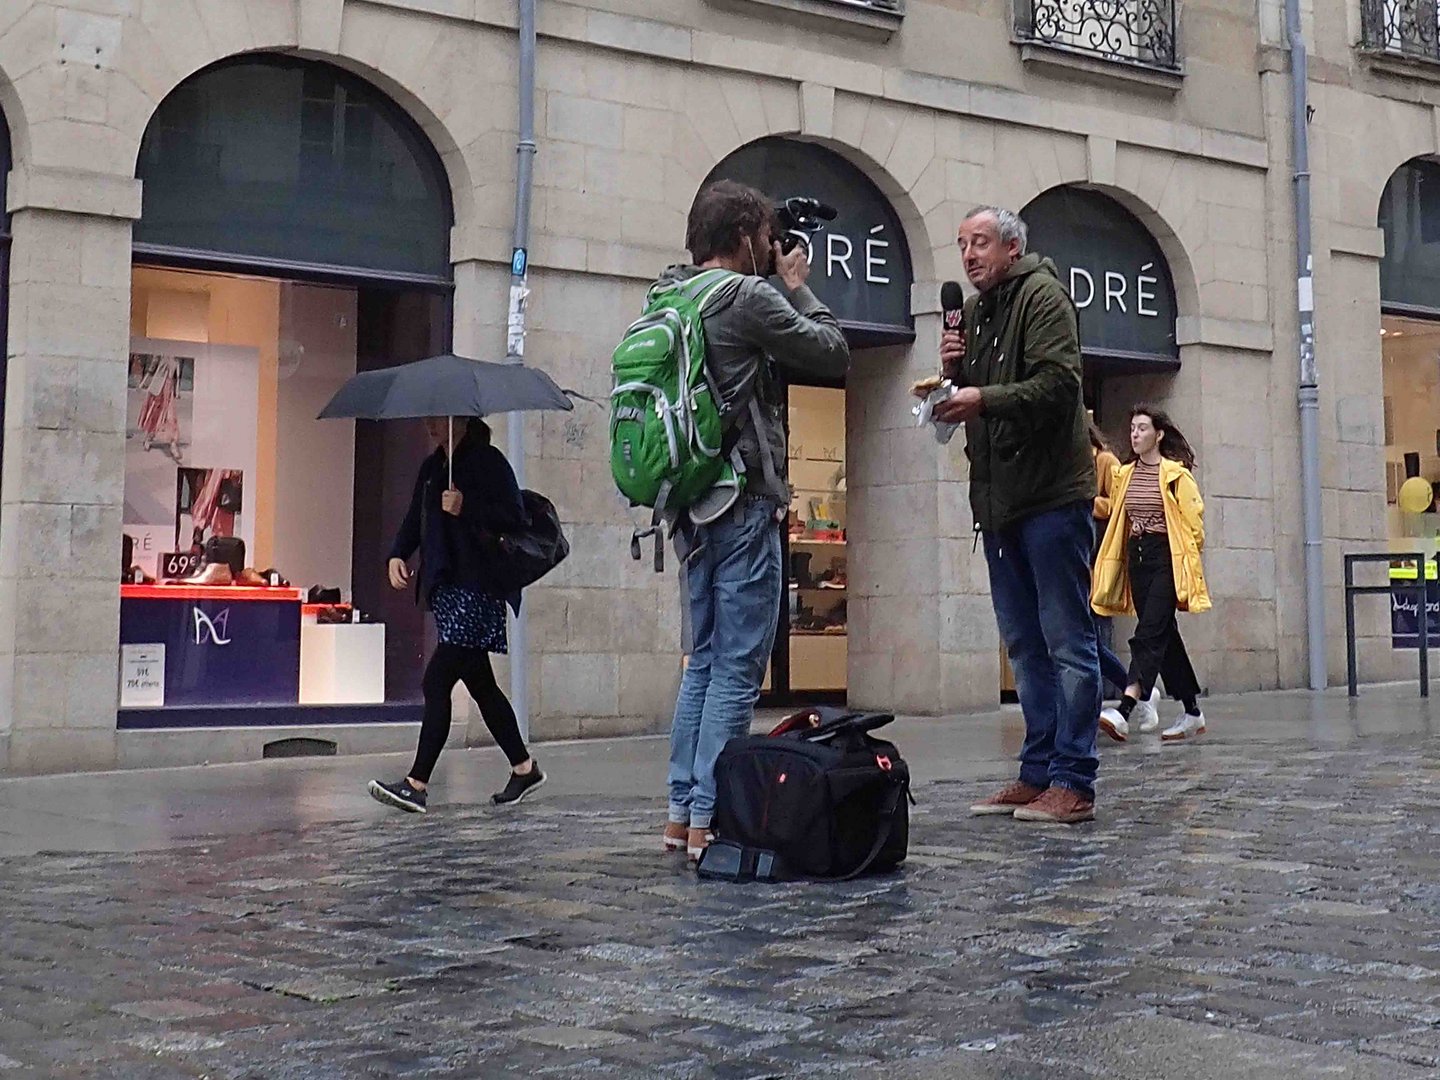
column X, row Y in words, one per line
column 294, row 230
column 1411, row 365
column 247, row 547
column 816, row 535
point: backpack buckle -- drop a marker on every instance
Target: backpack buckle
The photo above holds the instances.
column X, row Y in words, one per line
column 884, row 762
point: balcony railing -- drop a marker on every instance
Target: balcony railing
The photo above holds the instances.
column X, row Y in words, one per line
column 1401, row 28
column 1138, row 32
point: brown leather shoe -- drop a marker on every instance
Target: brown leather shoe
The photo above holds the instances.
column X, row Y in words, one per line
column 1008, row 799
column 1058, row 805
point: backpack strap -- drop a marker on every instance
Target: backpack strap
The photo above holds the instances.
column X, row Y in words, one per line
column 898, row 791
column 767, row 458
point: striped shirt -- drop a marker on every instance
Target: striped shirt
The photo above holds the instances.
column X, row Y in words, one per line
column 1143, row 503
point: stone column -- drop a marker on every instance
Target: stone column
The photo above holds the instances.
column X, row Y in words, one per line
column 64, row 468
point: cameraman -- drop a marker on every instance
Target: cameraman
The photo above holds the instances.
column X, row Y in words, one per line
column 733, row 576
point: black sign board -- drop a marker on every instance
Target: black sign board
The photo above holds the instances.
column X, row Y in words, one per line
column 1116, row 274
column 860, row 262
column 177, row 565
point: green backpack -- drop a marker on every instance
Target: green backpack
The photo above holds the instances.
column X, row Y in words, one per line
column 666, row 422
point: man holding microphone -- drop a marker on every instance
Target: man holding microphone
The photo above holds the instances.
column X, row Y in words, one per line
column 1015, row 366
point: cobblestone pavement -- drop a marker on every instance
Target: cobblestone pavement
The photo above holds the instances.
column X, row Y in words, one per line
column 1239, row 910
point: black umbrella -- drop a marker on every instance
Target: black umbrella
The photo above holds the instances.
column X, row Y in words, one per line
column 445, row 386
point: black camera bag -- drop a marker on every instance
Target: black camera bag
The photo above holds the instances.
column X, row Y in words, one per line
column 821, row 800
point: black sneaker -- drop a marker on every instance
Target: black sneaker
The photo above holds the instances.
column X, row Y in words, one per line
column 402, row 795
column 519, row 786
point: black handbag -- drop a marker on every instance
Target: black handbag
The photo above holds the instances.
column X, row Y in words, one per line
column 229, row 550
column 818, row 799
column 522, row 556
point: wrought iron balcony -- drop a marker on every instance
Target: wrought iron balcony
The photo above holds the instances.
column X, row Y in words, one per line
column 1407, row 28
column 1136, row 32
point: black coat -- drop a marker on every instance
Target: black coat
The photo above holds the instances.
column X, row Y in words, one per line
column 459, row 550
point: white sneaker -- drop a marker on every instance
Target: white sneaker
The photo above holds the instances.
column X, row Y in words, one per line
column 1187, row 727
column 1115, row 725
column 1147, row 713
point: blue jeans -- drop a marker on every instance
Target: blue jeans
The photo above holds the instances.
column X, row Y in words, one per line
column 1112, row 669
column 734, row 582
column 1040, row 585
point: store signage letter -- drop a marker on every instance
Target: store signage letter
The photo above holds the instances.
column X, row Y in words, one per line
column 1117, row 287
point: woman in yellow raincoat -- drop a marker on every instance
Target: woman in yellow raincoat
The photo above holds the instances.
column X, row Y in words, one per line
column 1149, row 566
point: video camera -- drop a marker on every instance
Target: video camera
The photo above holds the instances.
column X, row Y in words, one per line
column 800, row 218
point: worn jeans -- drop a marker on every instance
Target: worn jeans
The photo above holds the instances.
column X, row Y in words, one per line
column 1040, row 586
column 734, row 581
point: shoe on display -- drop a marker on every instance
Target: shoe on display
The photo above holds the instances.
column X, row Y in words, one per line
column 519, row 786
column 1187, row 727
column 1147, row 712
column 1008, row 799
column 400, row 795
column 214, row 574
column 1115, row 725
column 1058, row 806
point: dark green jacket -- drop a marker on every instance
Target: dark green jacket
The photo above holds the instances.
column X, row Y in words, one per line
column 1029, row 450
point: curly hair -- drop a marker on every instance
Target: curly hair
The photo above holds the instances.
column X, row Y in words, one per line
column 724, row 213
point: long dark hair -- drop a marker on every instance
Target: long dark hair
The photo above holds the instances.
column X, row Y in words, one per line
column 1174, row 445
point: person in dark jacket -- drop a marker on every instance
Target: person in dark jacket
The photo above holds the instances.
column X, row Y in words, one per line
column 1032, row 486
column 455, row 515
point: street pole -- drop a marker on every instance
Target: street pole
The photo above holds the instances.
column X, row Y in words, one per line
column 515, row 330
column 1309, row 382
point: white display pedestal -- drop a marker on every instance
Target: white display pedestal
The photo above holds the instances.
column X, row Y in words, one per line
column 342, row 664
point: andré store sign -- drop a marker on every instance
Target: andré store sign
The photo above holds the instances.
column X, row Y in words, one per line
column 860, row 263
column 1114, row 269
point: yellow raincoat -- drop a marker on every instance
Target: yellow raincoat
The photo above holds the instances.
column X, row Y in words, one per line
column 1185, row 525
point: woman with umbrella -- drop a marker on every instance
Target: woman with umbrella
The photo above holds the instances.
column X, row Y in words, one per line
column 462, row 500
column 465, row 499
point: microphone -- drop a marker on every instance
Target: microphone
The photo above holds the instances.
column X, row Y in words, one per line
column 952, row 304
column 952, row 309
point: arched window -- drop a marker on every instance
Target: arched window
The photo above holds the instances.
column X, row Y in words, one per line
column 1116, row 273
column 1410, row 219
column 282, row 162
column 294, row 230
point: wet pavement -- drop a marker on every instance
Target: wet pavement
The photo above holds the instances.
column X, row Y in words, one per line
column 1262, row 903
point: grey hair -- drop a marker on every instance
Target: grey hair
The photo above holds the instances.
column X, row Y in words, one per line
column 1009, row 224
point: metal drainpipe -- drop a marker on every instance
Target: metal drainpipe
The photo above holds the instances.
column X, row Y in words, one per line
column 515, row 330
column 1309, row 383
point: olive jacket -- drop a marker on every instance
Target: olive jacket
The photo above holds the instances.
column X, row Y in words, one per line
column 1029, row 448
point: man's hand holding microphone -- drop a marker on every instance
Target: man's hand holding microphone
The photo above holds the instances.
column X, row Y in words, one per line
column 963, row 403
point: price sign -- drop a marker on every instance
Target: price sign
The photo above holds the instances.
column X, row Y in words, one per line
column 142, row 676
column 179, row 564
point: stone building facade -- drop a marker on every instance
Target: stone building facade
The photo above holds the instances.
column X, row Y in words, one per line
column 938, row 104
